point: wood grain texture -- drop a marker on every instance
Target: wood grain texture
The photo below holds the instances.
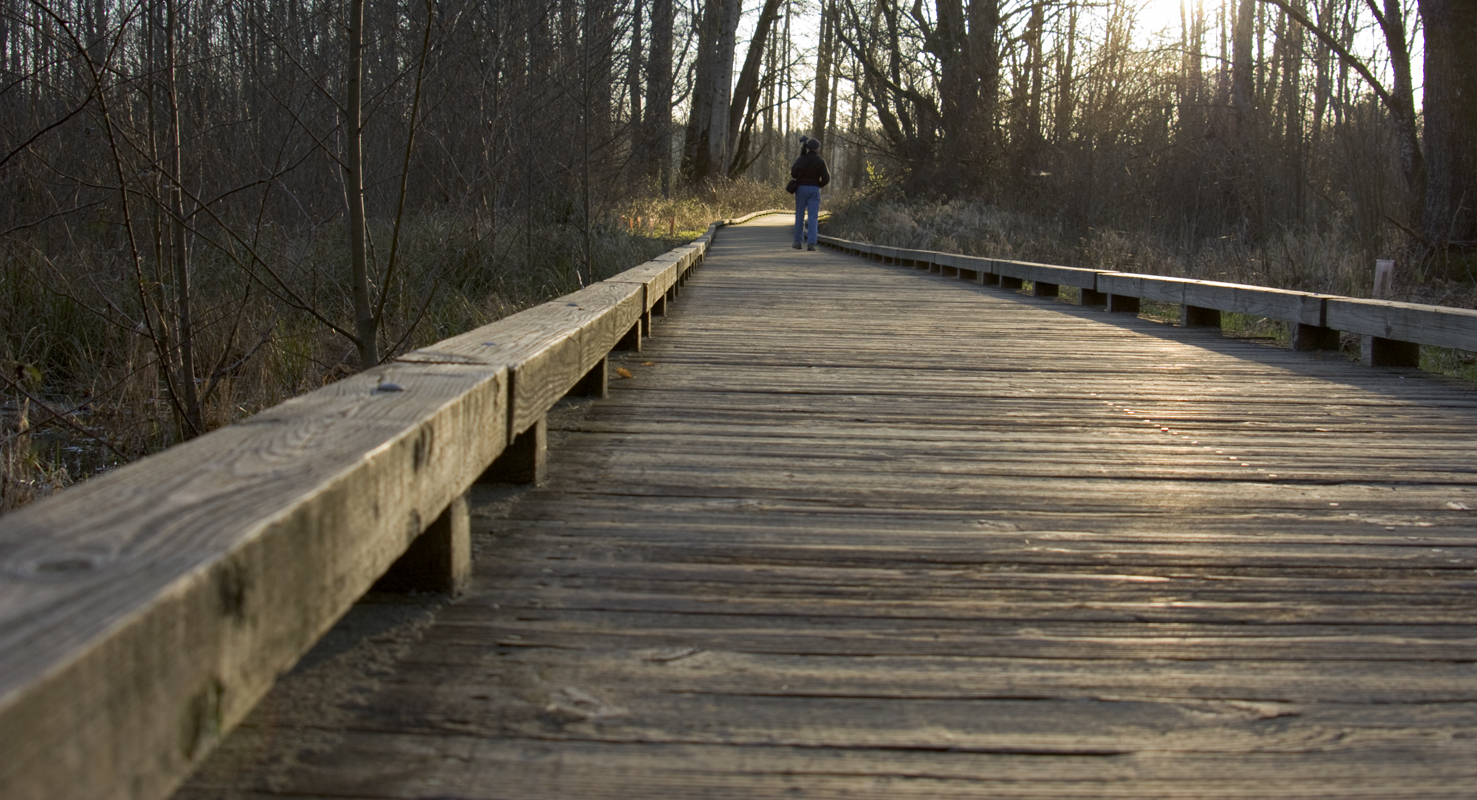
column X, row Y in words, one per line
column 546, row 349
column 1405, row 322
column 145, row 611
column 1045, row 273
column 850, row 530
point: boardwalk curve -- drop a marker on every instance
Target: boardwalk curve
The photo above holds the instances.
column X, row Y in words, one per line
column 852, row 530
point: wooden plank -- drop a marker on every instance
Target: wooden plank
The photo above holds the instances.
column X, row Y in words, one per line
column 546, row 349
column 1046, row 273
column 144, row 611
column 658, row 276
column 1289, row 306
column 1405, row 322
column 850, row 532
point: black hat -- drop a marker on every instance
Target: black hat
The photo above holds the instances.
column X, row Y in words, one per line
column 812, row 144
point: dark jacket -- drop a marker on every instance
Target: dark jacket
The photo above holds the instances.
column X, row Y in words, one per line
column 810, row 170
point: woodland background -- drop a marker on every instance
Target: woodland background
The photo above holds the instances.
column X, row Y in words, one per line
column 207, row 206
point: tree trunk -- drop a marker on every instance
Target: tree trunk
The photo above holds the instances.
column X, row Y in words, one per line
column 364, row 322
column 984, row 52
column 1402, row 92
column 1451, row 123
column 189, row 395
column 1062, row 130
column 823, row 74
column 1243, row 71
column 656, row 121
column 700, row 108
column 745, row 106
column 633, row 67
column 719, row 145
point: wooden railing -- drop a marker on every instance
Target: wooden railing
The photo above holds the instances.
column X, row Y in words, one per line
column 144, row 612
column 1390, row 332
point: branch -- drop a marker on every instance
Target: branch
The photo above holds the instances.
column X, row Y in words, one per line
column 1343, row 52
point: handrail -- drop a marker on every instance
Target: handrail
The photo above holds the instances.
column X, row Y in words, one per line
column 144, row 612
column 1390, row 332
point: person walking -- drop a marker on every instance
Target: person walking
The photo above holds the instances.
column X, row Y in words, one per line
column 809, row 170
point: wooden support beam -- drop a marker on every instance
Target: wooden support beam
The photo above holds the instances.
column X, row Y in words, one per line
column 1199, row 317
column 1308, row 338
column 439, row 560
column 596, row 382
column 1011, row 282
column 631, row 342
column 1043, row 289
column 1376, row 351
column 524, row 461
column 1092, row 298
column 1123, row 304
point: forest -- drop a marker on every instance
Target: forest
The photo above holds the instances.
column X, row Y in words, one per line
column 207, row 206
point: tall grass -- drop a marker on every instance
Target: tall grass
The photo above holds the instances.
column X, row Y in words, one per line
column 71, row 343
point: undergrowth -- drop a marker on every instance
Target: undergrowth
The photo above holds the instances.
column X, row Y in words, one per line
column 83, row 390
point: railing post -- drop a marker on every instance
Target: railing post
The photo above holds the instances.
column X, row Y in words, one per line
column 1307, row 338
column 1375, row 351
column 596, row 382
column 632, row 340
column 524, row 460
column 439, row 560
column 1199, row 317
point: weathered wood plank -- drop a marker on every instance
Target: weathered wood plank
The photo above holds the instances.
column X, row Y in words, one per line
column 1405, row 322
column 1046, row 273
column 854, row 531
column 546, row 349
column 143, row 612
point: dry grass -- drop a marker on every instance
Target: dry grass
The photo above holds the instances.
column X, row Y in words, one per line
column 73, row 336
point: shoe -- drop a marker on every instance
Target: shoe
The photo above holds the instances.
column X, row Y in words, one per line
column 796, row 245
column 810, row 248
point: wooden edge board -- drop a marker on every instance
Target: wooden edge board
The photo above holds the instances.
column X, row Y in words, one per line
column 594, row 319
column 657, row 277
column 144, row 612
column 1455, row 328
column 753, row 214
column 1045, row 273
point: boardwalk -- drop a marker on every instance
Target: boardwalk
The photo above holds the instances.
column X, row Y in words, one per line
column 855, row 531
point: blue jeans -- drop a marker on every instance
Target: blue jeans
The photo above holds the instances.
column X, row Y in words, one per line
column 807, row 198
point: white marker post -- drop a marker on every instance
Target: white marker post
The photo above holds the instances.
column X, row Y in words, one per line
column 1384, row 277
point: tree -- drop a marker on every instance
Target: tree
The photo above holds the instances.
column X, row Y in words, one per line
column 706, row 149
column 1450, row 218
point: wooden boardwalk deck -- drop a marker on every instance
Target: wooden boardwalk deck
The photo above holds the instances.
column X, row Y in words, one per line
column 854, row 531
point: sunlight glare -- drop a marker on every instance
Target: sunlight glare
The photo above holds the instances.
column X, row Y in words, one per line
column 1159, row 19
